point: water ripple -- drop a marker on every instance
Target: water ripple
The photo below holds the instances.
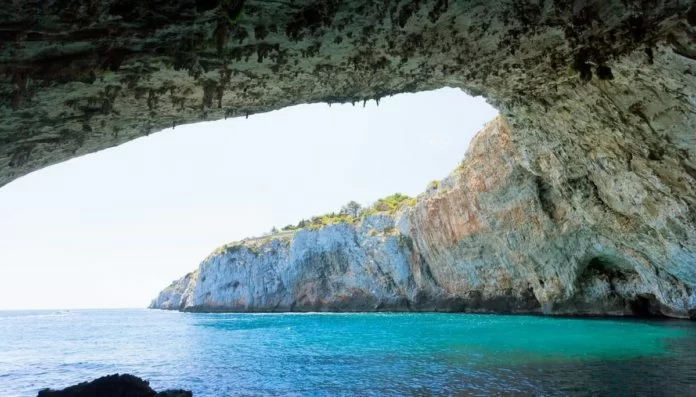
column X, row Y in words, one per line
column 348, row 354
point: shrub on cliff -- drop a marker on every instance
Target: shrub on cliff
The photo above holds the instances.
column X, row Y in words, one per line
column 333, row 218
column 352, row 208
column 390, row 204
column 353, row 212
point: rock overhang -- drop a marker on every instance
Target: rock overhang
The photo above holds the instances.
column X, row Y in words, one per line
column 79, row 76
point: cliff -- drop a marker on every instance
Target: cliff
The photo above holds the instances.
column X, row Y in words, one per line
column 493, row 236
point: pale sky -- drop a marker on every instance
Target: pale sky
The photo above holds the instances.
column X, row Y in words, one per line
column 111, row 229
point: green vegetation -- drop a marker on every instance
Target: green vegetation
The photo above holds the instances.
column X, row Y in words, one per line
column 352, row 208
column 433, row 185
column 390, row 204
column 354, row 212
column 350, row 213
column 330, row 219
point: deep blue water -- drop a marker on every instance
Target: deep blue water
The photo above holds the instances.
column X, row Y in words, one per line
column 349, row 354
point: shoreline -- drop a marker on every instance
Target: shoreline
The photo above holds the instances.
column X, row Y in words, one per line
column 658, row 318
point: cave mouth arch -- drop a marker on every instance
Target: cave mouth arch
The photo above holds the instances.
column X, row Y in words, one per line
column 597, row 94
column 197, row 177
column 105, row 81
column 645, row 306
column 614, row 281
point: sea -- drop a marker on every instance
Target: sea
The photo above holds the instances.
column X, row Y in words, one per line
column 326, row 354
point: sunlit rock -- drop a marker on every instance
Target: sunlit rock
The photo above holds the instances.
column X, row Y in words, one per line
column 492, row 236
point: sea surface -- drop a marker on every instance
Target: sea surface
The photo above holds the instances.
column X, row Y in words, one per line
column 349, row 354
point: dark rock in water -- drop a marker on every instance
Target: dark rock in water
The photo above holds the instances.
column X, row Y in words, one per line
column 113, row 386
column 175, row 393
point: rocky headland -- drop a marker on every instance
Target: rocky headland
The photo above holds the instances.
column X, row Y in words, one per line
column 493, row 236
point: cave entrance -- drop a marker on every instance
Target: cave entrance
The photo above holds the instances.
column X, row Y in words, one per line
column 613, row 284
column 607, row 269
column 644, row 305
column 207, row 184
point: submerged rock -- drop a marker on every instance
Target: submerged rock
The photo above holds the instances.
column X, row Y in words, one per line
column 493, row 236
column 113, row 386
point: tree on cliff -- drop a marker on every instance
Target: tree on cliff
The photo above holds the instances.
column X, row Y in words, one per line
column 352, row 208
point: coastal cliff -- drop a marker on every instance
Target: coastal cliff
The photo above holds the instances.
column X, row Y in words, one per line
column 494, row 236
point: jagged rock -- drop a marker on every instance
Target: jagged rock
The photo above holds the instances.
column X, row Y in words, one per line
column 493, row 236
column 113, row 386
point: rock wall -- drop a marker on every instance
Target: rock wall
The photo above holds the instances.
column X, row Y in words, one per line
column 495, row 236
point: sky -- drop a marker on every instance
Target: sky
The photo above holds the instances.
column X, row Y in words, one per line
column 113, row 228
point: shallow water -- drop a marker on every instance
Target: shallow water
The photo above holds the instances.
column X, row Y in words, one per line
column 349, row 354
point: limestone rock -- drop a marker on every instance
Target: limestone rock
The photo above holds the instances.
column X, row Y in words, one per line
column 493, row 236
column 177, row 294
column 78, row 76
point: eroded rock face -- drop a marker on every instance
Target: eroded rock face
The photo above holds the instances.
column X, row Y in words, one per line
column 77, row 76
column 493, row 236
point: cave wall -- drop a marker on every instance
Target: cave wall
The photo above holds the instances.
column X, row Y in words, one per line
column 78, row 76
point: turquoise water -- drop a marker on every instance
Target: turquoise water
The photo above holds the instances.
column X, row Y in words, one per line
column 348, row 354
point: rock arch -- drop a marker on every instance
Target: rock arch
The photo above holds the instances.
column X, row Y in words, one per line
column 78, row 76
column 600, row 96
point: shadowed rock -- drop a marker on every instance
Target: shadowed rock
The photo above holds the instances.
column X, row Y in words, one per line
column 79, row 76
column 113, row 386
